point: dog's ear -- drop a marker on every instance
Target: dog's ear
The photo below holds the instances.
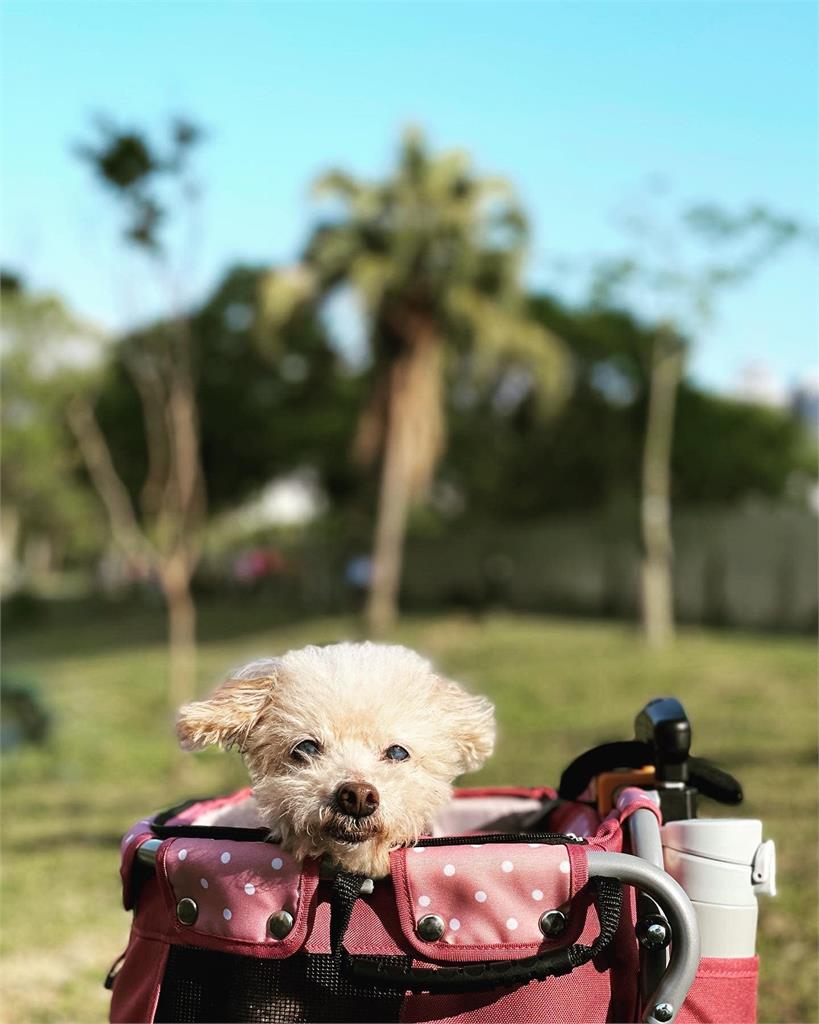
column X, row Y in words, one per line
column 227, row 717
column 472, row 724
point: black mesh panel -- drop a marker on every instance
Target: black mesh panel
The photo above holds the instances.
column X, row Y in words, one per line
column 208, row 986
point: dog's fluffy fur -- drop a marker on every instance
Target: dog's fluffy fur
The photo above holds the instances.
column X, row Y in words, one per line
column 355, row 701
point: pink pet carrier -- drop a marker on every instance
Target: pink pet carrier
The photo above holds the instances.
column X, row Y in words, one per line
column 524, row 905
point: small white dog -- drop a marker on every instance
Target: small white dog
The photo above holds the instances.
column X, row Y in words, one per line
column 351, row 748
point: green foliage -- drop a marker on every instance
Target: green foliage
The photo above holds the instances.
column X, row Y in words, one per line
column 266, row 405
column 436, row 242
column 509, row 463
column 136, row 171
column 725, row 450
column 47, row 356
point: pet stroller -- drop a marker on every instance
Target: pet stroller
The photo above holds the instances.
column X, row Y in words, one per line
column 604, row 900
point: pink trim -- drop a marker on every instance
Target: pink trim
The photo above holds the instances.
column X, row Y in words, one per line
column 131, row 842
column 579, row 869
column 633, row 799
column 534, row 792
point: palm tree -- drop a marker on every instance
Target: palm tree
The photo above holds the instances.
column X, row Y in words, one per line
column 435, row 255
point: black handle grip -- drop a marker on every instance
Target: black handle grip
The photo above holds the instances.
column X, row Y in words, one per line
column 664, row 725
column 471, row 977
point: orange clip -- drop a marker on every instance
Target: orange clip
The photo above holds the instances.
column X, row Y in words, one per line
column 610, row 782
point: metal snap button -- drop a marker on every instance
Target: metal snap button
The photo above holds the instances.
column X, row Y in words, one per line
column 280, row 924
column 187, row 911
column 430, row 927
column 552, row 923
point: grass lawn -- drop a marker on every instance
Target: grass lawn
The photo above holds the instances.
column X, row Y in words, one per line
column 560, row 686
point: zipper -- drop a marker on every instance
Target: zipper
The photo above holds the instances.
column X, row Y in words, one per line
column 545, row 838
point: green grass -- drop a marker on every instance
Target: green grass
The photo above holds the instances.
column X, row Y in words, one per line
column 560, row 686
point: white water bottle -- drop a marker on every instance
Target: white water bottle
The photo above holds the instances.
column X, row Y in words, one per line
column 723, row 865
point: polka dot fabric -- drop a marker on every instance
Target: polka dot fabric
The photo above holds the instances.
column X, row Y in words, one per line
column 489, row 894
column 235, row 885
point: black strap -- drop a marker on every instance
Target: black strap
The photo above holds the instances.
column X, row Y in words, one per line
column 470, row 977
column 605, row 758
column 704, row 775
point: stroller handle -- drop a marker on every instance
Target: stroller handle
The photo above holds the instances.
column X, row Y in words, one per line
column 667, row 998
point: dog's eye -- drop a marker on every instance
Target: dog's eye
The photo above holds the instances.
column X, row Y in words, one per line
column 305, row 750
column 396, row 753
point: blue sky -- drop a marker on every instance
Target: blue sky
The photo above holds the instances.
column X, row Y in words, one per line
column 580, row 104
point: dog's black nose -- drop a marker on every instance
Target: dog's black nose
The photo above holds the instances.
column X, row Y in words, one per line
column 358, row 799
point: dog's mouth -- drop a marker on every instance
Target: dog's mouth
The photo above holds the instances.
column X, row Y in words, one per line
column 346, row 829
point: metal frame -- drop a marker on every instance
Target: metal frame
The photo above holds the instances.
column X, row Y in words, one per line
column 646, row 843
column 665, row 1001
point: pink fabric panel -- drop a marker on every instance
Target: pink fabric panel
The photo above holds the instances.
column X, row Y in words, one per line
column 190, row 814
column 582, row 996
column 491, row 896
column 236, row 886
column 577, row 818
column 136, row 987
column 724, row 992
column 373, row 930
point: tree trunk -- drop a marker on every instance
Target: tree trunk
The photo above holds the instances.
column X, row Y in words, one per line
column 413, row 442
column 391, row 525
column 176, row 585
column 655, row 509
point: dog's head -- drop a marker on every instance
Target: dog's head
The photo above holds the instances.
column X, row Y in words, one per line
column 351, row 748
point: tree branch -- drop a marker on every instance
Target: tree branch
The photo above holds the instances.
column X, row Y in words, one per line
column 125, row 528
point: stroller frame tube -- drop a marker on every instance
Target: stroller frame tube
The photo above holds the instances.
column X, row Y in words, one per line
column 647, row 844
column 667, row 998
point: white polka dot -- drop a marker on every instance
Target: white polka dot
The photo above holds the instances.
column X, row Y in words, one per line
column 225, row 858
column 537, row 895
column 507, row 866
column 250, row 889
column 454, row 924
column 227, row 914
column 418, row 849
column 512, row 923
column 203, row 882
column 476, row 846
column 424, row 901
column 564, row 867
column 480, row 896
column 535, row 846
column 276, row 863
column 182, row 854
column 449, row 870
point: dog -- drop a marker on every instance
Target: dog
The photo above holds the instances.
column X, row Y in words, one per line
column 351, row 748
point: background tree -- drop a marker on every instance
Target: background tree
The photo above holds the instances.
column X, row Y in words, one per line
column 161, row 532
column 268, row 403
column 587, row 457
column 49, row 514
column 435, row 255
column 676, row 276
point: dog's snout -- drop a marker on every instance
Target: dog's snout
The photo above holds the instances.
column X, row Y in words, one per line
column 358, row 799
